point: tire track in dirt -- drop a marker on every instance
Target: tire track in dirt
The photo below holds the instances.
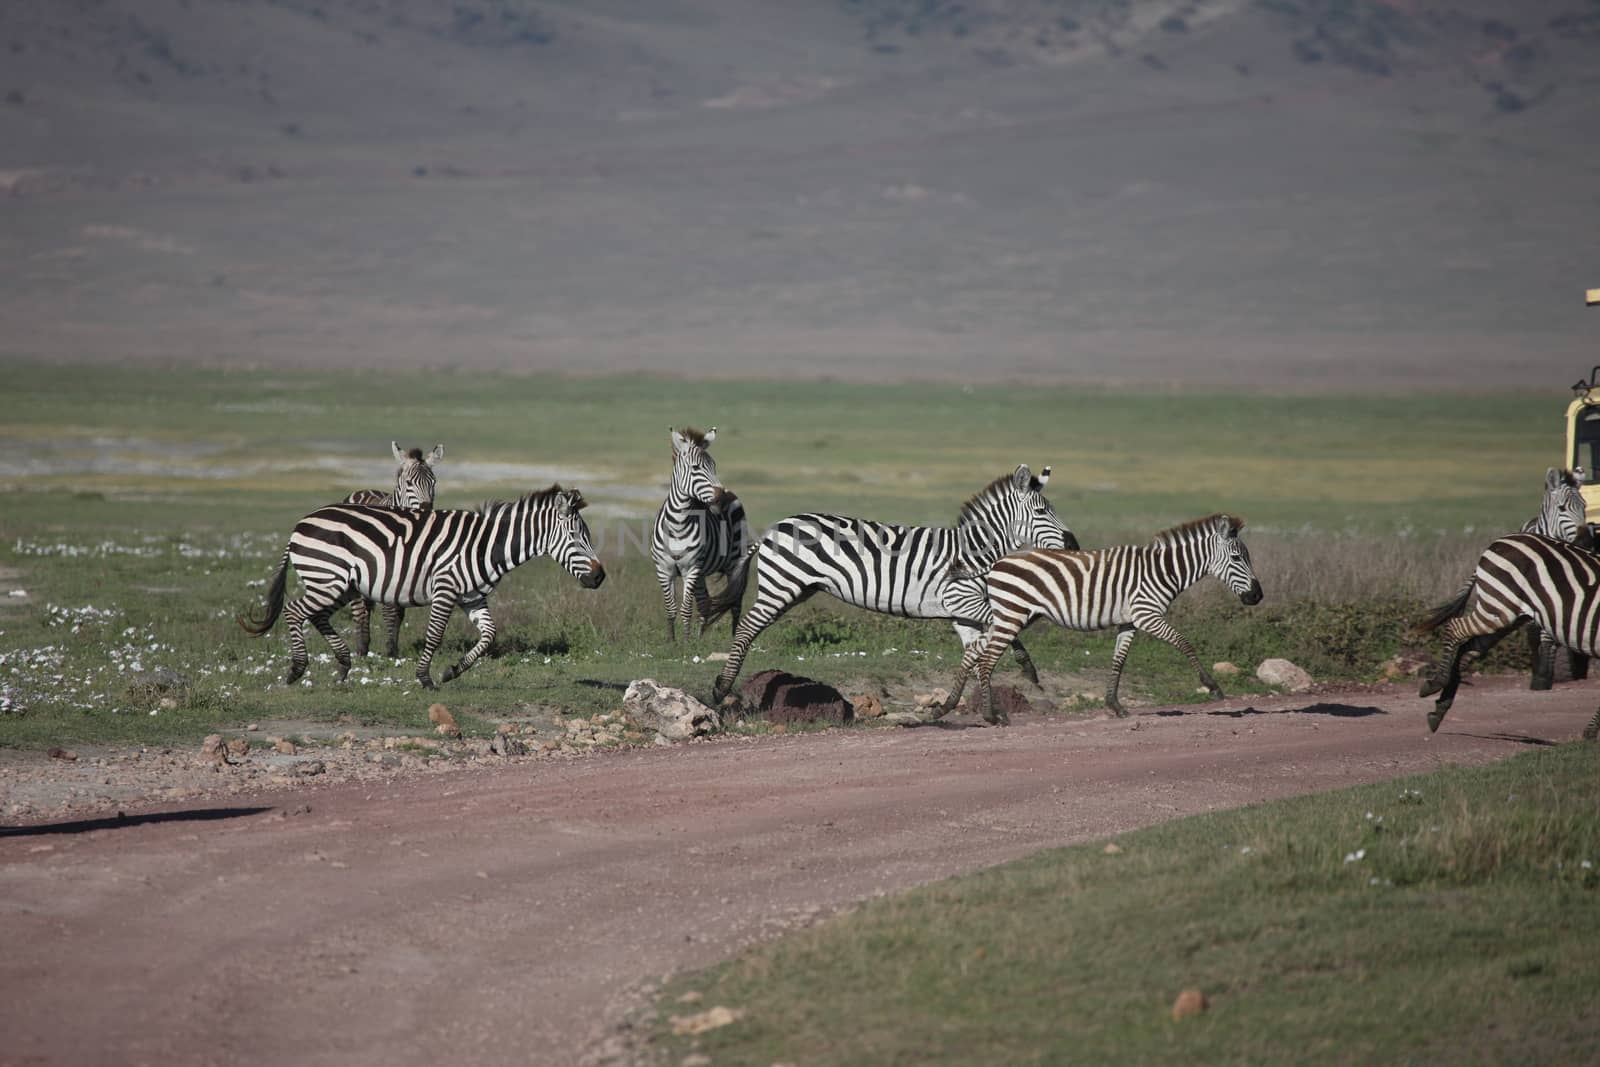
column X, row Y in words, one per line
column 498, row 916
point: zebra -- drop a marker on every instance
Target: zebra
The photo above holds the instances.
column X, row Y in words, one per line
column 897, row 570
column 1128, row 586
column 1561, row 517
column 413, row 489
column 438, row 558
column 700, row 530
column 1519, row 577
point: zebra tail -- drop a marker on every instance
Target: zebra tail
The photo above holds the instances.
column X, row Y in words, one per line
column 733, row 594
column 255, row 626
column 1447, row 611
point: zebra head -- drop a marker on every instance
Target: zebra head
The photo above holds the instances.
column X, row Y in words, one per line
column 1035, row 523
column 1561, row 513
column 694, row 472
column 413, row 480
column 1229, row 559
column 1009, row 513
column 569, row 543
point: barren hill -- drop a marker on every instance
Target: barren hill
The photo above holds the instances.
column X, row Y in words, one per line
column 1312, row 193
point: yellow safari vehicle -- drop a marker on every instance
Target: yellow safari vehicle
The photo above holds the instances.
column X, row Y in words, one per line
column 1583, row 430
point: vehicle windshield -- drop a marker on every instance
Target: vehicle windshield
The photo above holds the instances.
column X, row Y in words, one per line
column 1586, row 443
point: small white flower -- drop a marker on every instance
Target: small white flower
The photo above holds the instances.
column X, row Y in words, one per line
column 1358, row 854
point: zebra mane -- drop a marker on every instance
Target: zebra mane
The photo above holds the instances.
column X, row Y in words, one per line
column 538, row 496
column 696, row 437
column 1184, row 531
column 988, row 492
column 416, row 454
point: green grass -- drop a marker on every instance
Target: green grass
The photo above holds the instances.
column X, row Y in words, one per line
column 1447, row 918
column 162, row 500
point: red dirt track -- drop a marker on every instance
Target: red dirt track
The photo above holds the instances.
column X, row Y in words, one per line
column 499, row 916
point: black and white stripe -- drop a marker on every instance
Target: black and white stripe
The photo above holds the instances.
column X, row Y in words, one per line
column 438, row 558
column 414, row 485
column 1562, row 518
column 924, row 572
column 1520, row 577
column 1129, row 587
column 700, row 530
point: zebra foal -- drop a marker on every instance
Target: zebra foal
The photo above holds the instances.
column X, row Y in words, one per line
column 923, row 572
column 700, row 531
column 1520, row 577
column 1129, row 587
column 439, row 558
column 414, row 484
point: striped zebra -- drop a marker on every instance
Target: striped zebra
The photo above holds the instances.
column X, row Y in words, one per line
column 1129, row 587
column 438, row 558
column 897, row 570
column 413, row 489
column 699, row 531
column 1562, row 518
column 1519, row 577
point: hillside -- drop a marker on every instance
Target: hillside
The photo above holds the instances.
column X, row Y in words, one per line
column 1300, row 193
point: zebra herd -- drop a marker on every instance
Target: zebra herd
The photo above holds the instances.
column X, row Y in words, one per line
column 1008, row 561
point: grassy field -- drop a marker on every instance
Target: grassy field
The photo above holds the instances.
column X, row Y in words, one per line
column 145, row 510
column 1447, row 918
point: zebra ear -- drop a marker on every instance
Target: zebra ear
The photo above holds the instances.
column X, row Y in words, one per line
column 1235, row 524
column 1044, row 477
column 435, row 456
column 573, row 499
column 679, row 442
column 399, row 453
column 1554, row 479
column 710, row 435
column 1022, row 478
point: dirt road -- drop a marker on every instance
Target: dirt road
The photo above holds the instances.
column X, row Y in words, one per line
column 498, row 916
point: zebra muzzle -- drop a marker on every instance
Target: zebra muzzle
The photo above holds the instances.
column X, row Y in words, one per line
column 1254, row 595
column 594, row 577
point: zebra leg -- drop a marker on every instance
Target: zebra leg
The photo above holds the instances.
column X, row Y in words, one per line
column 323, row 621
column 478, row 612
column 1119, row 656
column 294, row 614
column 702, row 602
column 361, row 618
column 1592, row 731
column 1025, row 663
column 686, row 602
column 1543, row 651
column 972, row 643
column 1578, row 665
column 994, row 645
column 1158, row 626
column 766, row 611
column 438, row 618
column 393, row 616
column 1464, row 642
column 666, row 578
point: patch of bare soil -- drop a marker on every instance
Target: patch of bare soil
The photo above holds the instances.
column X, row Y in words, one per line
column 502, row 913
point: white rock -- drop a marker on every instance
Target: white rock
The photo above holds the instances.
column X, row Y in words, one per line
column 1282, row 673
column 671, row 713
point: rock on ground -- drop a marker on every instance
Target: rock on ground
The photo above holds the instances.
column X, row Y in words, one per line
column 1281, row 672
column 671, row 713
column 781, row 697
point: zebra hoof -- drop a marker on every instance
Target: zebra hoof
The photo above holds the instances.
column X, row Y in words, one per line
column 1435, row 717
column 450, row 675
column 1117, row 708
column 426, row 682
column 1429, row 687
column 295, row 674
